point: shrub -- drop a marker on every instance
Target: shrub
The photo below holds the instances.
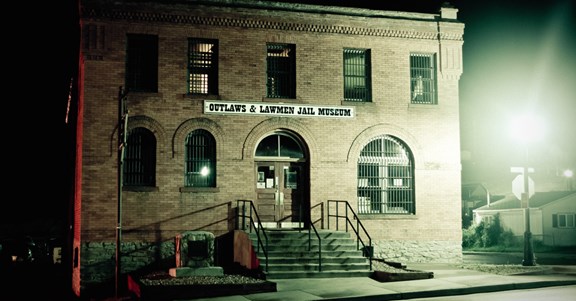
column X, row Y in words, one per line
column 487, row 235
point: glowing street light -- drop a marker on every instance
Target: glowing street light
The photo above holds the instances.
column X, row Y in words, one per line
column 526, row 129
column 568, row 174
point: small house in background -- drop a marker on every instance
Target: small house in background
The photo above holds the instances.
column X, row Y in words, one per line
column 552, row 216
column 475, row 195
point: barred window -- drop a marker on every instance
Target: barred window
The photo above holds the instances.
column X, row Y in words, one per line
column 423, row 78
column 385, row 177
column 202, row 66
column 142, row 63
column 200, row 166
column 140, row 158
column 281, row 71
column 357, row 80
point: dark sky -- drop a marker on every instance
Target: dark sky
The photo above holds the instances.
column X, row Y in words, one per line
column 518, row 56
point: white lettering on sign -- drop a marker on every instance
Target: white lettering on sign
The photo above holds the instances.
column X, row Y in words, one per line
column 244, row 108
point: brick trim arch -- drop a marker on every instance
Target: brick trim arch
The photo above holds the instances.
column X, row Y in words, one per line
column 269, row 125
column 145, row 122
column 385, row 129
column 193, row 124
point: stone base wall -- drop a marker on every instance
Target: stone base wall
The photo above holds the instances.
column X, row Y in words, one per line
column 99, row 259
column 406, row 251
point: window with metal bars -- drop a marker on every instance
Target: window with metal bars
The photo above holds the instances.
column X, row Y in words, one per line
column 385, row 177
column 202, row 66
column 281, row 71
column 357, row 78
column 423, row 78
column 139, row 165
column 142, row 63
column 200, row 167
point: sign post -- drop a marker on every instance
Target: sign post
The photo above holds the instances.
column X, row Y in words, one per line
column 523, row 186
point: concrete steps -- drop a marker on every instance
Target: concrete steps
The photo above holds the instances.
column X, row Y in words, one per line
column 292, row 255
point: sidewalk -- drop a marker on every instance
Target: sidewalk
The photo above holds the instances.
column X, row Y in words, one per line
column 448, row 280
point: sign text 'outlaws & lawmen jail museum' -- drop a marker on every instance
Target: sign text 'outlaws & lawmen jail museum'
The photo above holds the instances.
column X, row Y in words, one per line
column 276, row 109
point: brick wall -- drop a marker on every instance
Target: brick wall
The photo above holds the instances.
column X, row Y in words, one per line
column 430, row 131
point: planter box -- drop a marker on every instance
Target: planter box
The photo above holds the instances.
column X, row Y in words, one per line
column 166, row 291
column 382, row 276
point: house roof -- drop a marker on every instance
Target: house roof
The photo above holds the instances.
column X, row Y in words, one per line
column 539, row 199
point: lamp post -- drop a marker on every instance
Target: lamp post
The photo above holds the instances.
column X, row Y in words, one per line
column 526, row 129
column 529, row 259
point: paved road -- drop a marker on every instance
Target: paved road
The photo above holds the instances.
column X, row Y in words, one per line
column 517, row 258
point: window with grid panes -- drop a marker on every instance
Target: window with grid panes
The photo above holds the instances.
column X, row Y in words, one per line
column 142, row 63
column 357, row 81
column 139, row 165
column 202, row 66
column 564, row 220
column 281, row 71
column 423, row 81
column 200, row 166
column 385, row 177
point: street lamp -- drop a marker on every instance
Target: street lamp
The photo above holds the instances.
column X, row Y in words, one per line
column 526, row 129
column 568, row 173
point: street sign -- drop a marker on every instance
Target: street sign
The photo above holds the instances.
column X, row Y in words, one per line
column 521, row 169
column 518, row 187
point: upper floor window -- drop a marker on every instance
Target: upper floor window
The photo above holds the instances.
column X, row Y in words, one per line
column 139, row 165
column 203, row 66
column 200, row 165
column 281, row 71
column 385, row 177
column 142, row 63
column 423, row 78
column 357, row 81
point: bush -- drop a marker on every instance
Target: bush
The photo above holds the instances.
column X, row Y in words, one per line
column 488, row 235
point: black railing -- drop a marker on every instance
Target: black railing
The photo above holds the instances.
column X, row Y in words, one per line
column 312, row 227
column 254, row 223
column 367, row 248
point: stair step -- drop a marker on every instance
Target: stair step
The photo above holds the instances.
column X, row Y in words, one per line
column 294, row 267
column 295, row 254
column 316, row 274
column 314, row 260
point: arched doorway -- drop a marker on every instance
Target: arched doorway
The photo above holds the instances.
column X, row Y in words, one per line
column 282, row 185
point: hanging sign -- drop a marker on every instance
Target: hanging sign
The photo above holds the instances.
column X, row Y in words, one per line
column 276, row 109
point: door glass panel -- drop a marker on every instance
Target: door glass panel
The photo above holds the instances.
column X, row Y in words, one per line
column 265, row 177
column 291, row 178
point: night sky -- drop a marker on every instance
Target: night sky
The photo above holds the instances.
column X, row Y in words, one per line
column 518, row 56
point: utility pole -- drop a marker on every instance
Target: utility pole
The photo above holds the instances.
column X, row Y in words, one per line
column 122, row 133
column 528, row 247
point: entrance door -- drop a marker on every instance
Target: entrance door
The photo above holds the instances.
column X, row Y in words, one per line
column 280, row 194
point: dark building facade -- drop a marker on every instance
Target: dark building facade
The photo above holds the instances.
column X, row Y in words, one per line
column 286, row 105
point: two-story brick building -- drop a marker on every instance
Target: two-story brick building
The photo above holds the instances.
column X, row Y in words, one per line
column 286, row 105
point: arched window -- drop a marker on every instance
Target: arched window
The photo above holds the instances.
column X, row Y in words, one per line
column 385, row 177
column 279, row 145
column 200, row 165
column 139, row 165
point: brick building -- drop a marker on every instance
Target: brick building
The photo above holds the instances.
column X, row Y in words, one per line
column 286, row 105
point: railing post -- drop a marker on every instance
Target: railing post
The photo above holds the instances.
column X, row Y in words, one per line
column 321, row 215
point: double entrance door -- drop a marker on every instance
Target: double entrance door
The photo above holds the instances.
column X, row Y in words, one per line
column 281, row 194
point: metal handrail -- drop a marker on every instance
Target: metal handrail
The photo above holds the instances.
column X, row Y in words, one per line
column 367, row 249
column 321, row 219
column 256, row 224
